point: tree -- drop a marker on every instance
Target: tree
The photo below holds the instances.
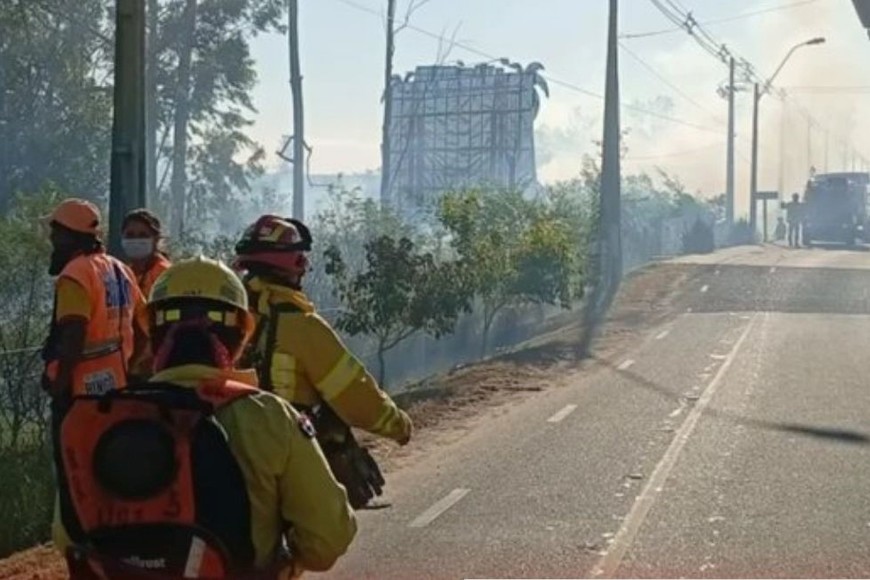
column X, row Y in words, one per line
column 203, row 84
column 513, row 251
column 25, row 308
column 55, row 105
column 400, row 292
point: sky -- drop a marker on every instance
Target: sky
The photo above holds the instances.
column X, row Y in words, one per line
column 342, row 46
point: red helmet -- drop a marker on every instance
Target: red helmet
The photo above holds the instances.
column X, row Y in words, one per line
column 277, row 242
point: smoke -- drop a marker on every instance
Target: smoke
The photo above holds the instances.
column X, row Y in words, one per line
column 834, row 139
column 692, row 143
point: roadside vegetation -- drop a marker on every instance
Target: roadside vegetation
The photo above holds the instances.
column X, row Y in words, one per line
column 478, row 272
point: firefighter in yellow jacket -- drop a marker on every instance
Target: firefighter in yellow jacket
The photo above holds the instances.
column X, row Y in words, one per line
column 301, row 359
column 233, row 473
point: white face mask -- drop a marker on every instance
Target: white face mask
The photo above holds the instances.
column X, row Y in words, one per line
column 137, row 248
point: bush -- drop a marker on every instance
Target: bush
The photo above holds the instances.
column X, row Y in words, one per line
column 699, row 239
column 26, row 498
column 741, row 234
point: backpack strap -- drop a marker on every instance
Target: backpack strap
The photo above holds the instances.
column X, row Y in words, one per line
column 260, row 356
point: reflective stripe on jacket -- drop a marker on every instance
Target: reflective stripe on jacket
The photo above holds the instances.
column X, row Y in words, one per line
column 301, row 358
column 114, row 298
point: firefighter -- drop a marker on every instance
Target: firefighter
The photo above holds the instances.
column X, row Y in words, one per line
column 141, row 240
column 301, row 359
column 234, row 485
column 92, row 332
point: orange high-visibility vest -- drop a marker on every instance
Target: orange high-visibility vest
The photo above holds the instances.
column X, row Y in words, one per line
column 109, row 336
column 146, row 281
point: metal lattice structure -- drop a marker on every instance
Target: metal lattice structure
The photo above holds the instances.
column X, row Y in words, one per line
column 456, row 126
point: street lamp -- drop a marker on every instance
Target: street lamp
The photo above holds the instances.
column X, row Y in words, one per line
column 759, row 92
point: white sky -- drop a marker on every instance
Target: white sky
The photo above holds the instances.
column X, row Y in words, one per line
column 342, row 60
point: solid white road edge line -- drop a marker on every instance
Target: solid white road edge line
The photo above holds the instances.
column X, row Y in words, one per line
column 439, row 507
column 609, row 563
column 625, row 365
column 562, row 413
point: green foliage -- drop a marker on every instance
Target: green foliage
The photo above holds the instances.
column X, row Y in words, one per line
column 26, row 498
column 221, row 160
column 741, row 233
column 512, row 250
column 348, row 223
column 400, row 292
column 192, row 244
column 699, row 238
column 25, row 309
column 55, row 107
column 26, row 480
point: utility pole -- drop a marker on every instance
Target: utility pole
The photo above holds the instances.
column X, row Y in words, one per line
column 610, row 164
column 827, row 146
column 782, row 157
column 298, row 112
column 753, row 182
column 809, row 145
column 756, row 97
column 386, row 143
column 729, row 169
column 127, row 181
column 606, row 261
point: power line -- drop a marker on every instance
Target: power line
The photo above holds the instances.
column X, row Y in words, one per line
column 672, row 86
column 828, row 89
column 683, row 18
column 549, row 78
column 675, row 153
column 717, row 21
column 758, row 12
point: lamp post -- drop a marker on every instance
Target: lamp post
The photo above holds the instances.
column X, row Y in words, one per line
column 758, row 92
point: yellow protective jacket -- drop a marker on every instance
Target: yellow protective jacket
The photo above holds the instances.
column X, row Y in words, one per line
column 302, row 359
column 289, row 483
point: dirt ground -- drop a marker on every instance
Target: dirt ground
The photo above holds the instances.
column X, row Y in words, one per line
column 445, row 407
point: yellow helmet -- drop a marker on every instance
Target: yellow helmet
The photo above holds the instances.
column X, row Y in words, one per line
column 201, row 278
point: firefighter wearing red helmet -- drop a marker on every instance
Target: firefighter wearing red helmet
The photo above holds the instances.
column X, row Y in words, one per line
column 300, row 357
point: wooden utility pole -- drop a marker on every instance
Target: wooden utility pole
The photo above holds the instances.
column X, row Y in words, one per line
column 729, row 162
column 386, row 166
column 298, row 111
column 753, row 183
column 611, row 203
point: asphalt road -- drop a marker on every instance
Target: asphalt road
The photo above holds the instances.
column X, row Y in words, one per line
column 733, row 441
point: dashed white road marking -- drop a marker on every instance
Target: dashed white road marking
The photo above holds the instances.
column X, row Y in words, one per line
column 625, row 365
column 562, row 413
column 772, row 269
column 704, row 288
column 662, row 334
column 718, row 356
column 610, row 562
column 439, row 507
